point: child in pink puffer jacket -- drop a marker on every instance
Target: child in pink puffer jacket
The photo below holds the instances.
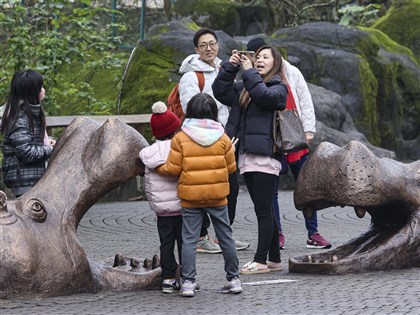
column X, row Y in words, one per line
column 161, row 192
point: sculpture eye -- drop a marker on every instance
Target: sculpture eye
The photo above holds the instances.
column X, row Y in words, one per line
column 37, row 211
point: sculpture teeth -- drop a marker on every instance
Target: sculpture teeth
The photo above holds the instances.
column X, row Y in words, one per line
column 155, row 261
column 360, row 212
column 134, row 263
column 310, row 260
column 119, row 260
column 334, row 258
column 147, row 263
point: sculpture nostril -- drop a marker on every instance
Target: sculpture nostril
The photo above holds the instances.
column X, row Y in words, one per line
column 6, row 217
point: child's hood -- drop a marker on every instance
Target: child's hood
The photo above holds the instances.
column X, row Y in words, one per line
column 155, row 154
column 205, row 132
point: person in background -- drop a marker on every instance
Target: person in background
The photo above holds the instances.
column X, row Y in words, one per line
column 303, row 100
column 254, row 100
column 202, row 156
column 26, row 146
column 161, row 192
column 205, row 60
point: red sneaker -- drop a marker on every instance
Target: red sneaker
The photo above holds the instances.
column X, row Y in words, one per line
column 281, row 241
column 317, row 241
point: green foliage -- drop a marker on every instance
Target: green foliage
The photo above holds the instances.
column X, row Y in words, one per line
column 217, row 14
column 368, row 119
column 65, row 42
column 402, row 24
column 148, row 79
column 359, row 15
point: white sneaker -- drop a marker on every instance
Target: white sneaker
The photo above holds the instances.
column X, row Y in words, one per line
column 188, row 288
column 233, row 286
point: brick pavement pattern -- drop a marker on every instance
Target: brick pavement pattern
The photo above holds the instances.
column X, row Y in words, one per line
column 130, row 228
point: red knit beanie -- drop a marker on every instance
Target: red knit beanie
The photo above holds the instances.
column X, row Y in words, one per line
column 163, row 122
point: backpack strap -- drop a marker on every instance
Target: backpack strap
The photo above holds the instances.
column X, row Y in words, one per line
column 200, row 77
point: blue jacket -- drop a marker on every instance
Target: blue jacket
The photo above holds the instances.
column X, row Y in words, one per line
column 253, row 125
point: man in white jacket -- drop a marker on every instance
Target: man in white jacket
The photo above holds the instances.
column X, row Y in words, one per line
column 206, row 61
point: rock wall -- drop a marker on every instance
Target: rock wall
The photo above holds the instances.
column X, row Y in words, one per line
column 343, row 81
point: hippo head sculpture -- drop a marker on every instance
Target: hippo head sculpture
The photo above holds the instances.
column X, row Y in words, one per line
column 389, row 191
column 40, row 253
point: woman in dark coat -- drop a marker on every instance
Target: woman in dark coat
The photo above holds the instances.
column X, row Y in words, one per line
column 253, row 101
column 26, row 145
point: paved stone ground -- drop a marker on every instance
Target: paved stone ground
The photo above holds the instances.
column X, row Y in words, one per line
column 130, row 228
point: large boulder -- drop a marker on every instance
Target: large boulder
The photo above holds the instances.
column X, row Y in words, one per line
column 402, row 24
column 350, row 100
column 334, row 124
column 378, row 79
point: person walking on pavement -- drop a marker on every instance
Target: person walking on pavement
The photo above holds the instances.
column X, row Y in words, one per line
column 202, row 156
column 205, row 60
column 254, row 100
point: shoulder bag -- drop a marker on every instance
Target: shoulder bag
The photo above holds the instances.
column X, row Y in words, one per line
column 288, row 134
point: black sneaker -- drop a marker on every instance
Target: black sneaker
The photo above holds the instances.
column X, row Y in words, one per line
column 170, row 286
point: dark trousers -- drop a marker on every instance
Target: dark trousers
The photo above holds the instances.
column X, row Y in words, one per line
column 170, row 231
column 232, row 200
column 261, row 190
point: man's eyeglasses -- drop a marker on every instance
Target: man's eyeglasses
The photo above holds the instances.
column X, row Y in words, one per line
column 203, row 46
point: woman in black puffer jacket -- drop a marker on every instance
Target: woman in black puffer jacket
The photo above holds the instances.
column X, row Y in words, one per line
column 26, row 146
column 253, row 101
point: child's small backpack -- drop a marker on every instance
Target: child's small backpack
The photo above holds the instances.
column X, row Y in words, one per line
column 174, row 101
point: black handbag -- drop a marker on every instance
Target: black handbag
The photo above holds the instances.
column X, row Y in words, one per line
column 288, row 134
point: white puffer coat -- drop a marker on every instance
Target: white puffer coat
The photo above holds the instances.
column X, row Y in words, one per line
column 302, row 96
column 188, row 85
column 161, row 191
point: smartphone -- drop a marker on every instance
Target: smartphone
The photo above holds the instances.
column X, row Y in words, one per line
column 249, row 53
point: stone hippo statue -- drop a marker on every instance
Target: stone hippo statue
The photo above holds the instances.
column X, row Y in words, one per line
column 40, row 253
column 389, row 191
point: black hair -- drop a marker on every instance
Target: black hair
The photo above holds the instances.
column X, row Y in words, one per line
column 25, row 88
column 202, row 106
column 201, row 32
column 167, row 137
column 244, row 98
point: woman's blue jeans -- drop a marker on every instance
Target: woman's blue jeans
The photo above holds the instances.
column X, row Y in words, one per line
column 310, row 223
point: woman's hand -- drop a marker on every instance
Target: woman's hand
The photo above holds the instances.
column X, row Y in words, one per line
column 234, row 142
column 51, row 142
column 246, row 63
column 309, row 137
column 235, row 59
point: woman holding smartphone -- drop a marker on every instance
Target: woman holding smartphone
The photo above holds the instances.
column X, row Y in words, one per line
column 254, row 100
